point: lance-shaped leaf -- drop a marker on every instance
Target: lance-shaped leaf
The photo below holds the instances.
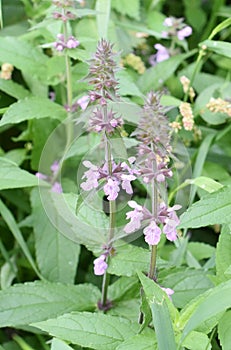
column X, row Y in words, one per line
column 159, row 304
column 214, row 208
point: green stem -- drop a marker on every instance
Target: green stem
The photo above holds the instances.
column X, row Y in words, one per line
column 105, row 284
column 152, row 268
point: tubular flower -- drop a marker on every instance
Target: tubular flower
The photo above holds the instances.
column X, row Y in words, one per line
column 100, row 266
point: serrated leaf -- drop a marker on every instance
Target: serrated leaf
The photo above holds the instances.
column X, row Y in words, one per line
column 224, row 334
column 158, row 302
column 23, row 304
column 154, row 77
column 201, row 250
column 209, row 304
column 56, row 255
column 32, row 108
column 130, row 8
column 11, row 176
column 223, row 256
column 127, row 86
column 94, row 330
column 219, row 47
column 28, row 57
column 13, row 89
column 124, row 289
column 214, row 208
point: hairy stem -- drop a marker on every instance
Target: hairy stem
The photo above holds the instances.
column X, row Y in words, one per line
column 152, row 267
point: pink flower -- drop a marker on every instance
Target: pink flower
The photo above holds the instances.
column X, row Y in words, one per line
column 152, row 233
column 126, row 182
column 168, row 291
column 183, row 33
column 136, row 216
column 55, row 167
column 171, row 222
column 83, row 102
column 41, row 176
column 92, row 175
column 162, row 53
column 168, row 22
column 100, row 266
column 111, row 189
column 57, row 187
column 72, row 43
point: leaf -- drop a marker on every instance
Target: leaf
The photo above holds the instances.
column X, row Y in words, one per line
column 132, row 9
column 219, row 47
column 23, row 304
column 197, row 341
column 187, row 284
column 56, row 255
column 226, row 23
column 214, row 208
column 28, row 57
column 11, row 176
column 13, row 89
column 32, row 108
column 93, row 330
column 223, row 256
column 224, row 334
column 210, row 304
column 129, row 111
column 58, row 344
column 12, row 224
column 201, row 250
column 199, row 163
column 143, row 341
column 128, row 260
column 206, row 183
column 127, row 85
column 103, row 7
column 89, row 227
column 157, row 299
column 155, row 77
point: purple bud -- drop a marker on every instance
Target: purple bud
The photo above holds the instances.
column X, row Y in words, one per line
column 183, row 33
column 100, row 266
column 168, row 22
column 168, row 291
column 57, row 187
column 162, row 53
column 41, row 176
column 55, row 167
column 72, row 43
column 83, row 102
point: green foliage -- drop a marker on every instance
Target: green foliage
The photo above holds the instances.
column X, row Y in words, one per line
column 92, row 330
column 49, row 240
column 23, row 304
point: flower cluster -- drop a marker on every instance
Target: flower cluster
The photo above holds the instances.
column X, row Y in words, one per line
column 69, row 43
column 102, row 73
column 218, row 105
column 56, row 186
column 186, row 87
column 65, row 14
column 141, row 216
column 99, row 123
column 135, row 62
column 6, row 71
column 120, row 176
column 176, row 28
column 187, row 114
